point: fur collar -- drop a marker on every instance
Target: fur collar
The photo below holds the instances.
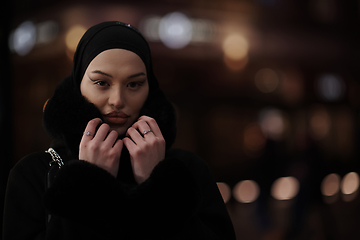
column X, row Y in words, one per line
column 68, row 112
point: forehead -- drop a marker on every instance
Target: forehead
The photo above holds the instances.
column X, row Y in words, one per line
column 117, row 58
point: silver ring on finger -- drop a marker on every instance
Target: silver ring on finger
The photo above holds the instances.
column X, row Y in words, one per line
column 146, row 132
column 87, row 133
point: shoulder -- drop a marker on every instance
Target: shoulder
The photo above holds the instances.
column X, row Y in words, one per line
column 29, row 174
column 34, row 162
column 41, row 160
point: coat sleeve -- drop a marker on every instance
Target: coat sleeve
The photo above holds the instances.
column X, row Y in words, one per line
column 25, row 216
column 180, row 200
column 211, row 220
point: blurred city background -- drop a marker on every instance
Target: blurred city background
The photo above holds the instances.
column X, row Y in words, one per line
column 267, row 93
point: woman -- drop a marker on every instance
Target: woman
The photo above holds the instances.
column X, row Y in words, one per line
column 113, row 129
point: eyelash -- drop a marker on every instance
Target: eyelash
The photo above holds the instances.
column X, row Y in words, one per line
column 103, row 83
column 138, row 84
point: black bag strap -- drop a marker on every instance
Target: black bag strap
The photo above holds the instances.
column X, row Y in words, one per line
column 55, row 158
column 55, row 164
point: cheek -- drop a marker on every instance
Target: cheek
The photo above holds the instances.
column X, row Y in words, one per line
column 137, row 101
column 141, row 101
column 137, row 104
column 91, row 96
column 85, row 91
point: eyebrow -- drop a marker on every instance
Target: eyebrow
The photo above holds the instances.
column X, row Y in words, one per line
column 137, row 75
column 102, row 73
column 108, row 75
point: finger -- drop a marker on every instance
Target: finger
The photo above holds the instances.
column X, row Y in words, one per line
column 90, row 129
column 129, row 144
column 102, row 132
column 153, row 125
column 111, row 138
column 134, row 135
column 143, row 127
column 119, row 145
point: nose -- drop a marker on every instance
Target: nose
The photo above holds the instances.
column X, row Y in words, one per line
column 116, row 99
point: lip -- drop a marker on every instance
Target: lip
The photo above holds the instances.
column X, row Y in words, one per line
column 116, row 118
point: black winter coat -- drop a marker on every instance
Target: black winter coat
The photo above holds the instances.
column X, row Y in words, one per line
column 180, row 199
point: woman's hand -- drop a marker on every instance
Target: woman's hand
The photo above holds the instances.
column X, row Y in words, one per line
column 146, row 148
column 102, row 149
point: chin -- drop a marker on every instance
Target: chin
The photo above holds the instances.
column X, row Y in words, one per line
column 120, row 130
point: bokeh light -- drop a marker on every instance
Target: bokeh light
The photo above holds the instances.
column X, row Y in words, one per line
column 330, row 87
column 23, row 39
column 175, row 30
column 150, row 27
column 73, row 37
column 224, row 190
column 267, row 80
column 246, row 191
column 203, row 30
column 285, row 188
column 330, row 185
column 272, row 123
column 47, row 31
column 235, row 47
column 196, row 30
column 350, row 183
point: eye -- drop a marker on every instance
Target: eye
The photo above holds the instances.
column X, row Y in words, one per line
column 101, row 83
column 134, row 84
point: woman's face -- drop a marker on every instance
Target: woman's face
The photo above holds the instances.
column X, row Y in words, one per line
column 116, row 83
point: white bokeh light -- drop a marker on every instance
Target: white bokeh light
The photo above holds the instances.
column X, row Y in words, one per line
column 23, row 39
column 246, row 191
column 175, row 30
column 350, row 183
column 285, row 188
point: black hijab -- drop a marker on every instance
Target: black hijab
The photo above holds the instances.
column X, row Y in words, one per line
column 109, row 35
column 68, row 112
